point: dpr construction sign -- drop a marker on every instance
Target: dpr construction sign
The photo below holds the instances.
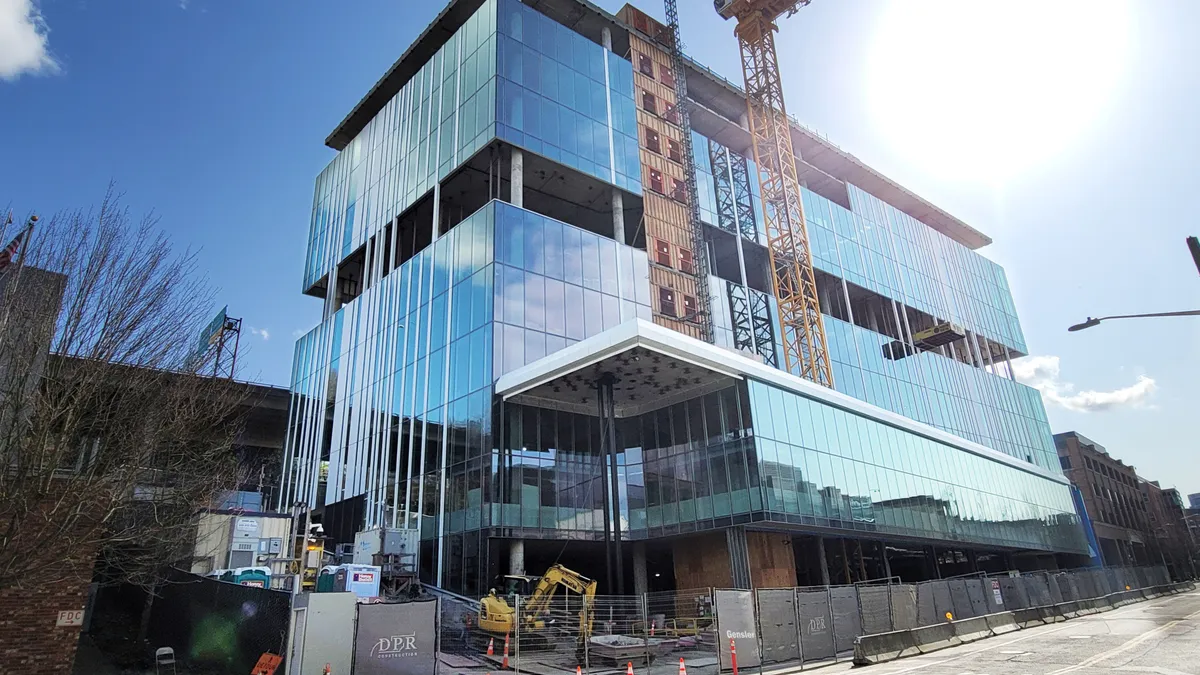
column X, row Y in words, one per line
column 396, row 639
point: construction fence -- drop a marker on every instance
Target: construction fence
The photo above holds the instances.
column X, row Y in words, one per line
column 768, row 628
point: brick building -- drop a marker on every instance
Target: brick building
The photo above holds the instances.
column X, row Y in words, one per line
column 1172, row 541
column 1112, row 496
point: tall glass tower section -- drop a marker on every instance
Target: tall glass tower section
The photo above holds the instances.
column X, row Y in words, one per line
column 508, row 360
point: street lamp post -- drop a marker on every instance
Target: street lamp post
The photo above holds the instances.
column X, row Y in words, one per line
column 1096, row 321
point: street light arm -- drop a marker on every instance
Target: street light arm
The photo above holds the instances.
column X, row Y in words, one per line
column 1094, row 321
column 1190, row 312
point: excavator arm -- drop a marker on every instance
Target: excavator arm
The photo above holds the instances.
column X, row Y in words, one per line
column 557, row 576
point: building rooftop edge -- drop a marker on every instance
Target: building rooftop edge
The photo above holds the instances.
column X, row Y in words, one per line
column 814, row 148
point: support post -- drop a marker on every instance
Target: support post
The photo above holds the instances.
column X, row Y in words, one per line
column 824, row 563
column 606, row 38
column 618, row 216
column 516, row 557
column 516, row 181
column 887, row 565
column 641, row 580
column 608, row 442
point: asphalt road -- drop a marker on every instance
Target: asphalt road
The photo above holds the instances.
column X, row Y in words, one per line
column 1158, row 637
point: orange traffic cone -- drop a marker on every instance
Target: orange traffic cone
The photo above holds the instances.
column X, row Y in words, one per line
column 491, row 646
column 504, row 663
column 682, row 670
column 629, row 669
column 328, row 670
column 652, row 629
column 578, row 670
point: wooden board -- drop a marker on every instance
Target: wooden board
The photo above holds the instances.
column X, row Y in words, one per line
column 772, row 560
column 702, row 561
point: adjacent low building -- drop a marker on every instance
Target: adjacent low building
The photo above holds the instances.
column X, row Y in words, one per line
column 1134, row 521
column 530, row 353
column 1113, row 497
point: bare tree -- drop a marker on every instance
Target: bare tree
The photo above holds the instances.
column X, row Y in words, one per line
column 111, row 438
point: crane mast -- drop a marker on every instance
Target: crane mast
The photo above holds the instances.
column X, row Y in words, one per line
column 800, row 323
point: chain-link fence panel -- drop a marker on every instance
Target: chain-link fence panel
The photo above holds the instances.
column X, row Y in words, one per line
column 942, row 601
column 191, row 609
column 777, row 626
column 875, row 606
column 1086, row 584
column 927, row 613
column 1039, row 590
column 1114, row 582
column 1055, row 592
column 977, row 594
column 904, row 606
column 816, row 625
column 688, row 620
column 959, row 600
column 1013, row 593
column 737, row 623
column 616, row 631
column 847, row 623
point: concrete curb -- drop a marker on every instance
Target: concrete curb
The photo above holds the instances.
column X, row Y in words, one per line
column 882, row 647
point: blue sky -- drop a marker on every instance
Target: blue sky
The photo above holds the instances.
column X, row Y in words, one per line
column 1068, row 135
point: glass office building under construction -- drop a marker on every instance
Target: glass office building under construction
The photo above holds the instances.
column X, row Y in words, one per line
column 531, row 354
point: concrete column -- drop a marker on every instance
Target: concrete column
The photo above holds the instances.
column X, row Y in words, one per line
column 618, row 215
column 641, row 581
column 516, row 557
column 937, row 567
column 606, row 38
column 516, row 184
column 872, row 317
column 887, row 565
column 437, row 212
column 739, row 556
column 824, row 563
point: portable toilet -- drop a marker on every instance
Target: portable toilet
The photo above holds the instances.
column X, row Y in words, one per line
column 258, row 577
column 326, row 578
column 361, row 580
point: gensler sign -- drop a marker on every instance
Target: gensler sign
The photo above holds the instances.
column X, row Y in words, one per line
column 735, row 620
column 396, row 639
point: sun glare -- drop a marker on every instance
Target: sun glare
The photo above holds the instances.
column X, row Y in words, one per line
column 984, row 90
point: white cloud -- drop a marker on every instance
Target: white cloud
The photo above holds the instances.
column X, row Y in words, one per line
column 1042, row 373
column 24, row 41
column 260, row 332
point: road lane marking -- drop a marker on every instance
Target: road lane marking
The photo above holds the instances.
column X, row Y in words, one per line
column 1126, row 646
column 1153, row 669
column 1107, row 616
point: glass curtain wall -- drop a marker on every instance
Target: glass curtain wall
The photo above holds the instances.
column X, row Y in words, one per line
column 886, row 251
column 557, row 284
column 440, row 117
column 833, row 468
column 565, row 97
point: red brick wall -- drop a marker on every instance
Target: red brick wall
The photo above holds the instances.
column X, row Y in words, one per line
column 30, row 643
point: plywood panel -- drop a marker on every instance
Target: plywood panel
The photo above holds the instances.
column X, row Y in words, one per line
column 772, row 561
column 702, row 561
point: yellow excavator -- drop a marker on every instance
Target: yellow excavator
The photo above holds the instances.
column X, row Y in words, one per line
column 544, row 619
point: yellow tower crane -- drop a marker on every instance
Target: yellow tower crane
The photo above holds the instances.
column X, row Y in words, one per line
column 800, row 322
